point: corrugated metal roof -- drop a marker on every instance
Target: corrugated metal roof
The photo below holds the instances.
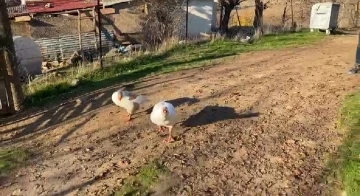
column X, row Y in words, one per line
column 12, row 2
column 113, row 2
column 61, row 48
column 59, row 5
column 34, row 7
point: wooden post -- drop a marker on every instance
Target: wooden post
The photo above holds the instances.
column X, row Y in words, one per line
column 99, row 27
column 94, row 23
column 292, row 15
column 187, row 21
column 7, row 43
column 221, row 16
column 8, row 98
column 79, row 29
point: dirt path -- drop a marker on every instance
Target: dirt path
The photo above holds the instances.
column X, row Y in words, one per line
column 261, row 124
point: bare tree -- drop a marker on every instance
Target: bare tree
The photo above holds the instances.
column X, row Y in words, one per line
column 260, row 6
column 283, row 17
column 227, row 6
column 164, row 19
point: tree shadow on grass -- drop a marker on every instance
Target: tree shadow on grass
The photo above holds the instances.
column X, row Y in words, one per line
column 118, row 73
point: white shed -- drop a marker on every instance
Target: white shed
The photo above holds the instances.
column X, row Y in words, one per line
column 28, row 54
column 202, row 16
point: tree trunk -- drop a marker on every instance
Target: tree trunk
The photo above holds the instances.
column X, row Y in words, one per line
column 258, row 19
column 283, row 18
column 221, row 16
column 6, row 41
column 226, row 18
column 293, row 26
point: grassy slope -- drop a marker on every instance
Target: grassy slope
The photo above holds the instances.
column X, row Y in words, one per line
column 178, row 58
column 143, row 183
column 9, row 159
column 349, row 164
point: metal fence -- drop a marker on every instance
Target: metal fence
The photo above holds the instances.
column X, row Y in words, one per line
column 61, row 48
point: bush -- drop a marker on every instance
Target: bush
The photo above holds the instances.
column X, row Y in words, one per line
column 165, row 20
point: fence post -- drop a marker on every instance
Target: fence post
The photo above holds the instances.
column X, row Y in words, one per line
column 187, row 22
column 94, row 20
column 9, row 107
column 99, row 26
column 79, row 29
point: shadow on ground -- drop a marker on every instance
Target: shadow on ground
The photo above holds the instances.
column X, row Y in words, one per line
column 213, row 114
column 177, row 102
column 51, row 118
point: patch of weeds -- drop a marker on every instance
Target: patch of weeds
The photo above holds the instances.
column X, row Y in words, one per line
column 143, row 183
column 346, row 164
column 10, row 159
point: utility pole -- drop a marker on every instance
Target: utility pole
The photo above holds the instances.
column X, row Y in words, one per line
column 8, row 58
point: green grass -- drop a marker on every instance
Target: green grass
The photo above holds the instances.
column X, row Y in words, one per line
column 10, row 159
column 177, row 58
column 348, row 163
column 142, row 183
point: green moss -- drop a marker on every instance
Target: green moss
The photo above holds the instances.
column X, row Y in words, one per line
column 11, row 158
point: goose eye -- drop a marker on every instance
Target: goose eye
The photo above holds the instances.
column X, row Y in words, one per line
column 165, row 110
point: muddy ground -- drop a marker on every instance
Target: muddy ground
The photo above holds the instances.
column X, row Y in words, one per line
column 259, row 124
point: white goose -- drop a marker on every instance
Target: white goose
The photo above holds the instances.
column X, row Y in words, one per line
column 164, row 116
column 128, row 100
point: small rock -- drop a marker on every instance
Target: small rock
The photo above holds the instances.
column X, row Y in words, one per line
column 38, row 175
column 124, row 163
column 89, row 149
column 119, row 181
column 67, row 149
column 75, row 82
column 78, row 101
column 290, row 142
column 84, row 167
column 188, row 188
column 17, row 192
column 18, row 175
column 104, row 187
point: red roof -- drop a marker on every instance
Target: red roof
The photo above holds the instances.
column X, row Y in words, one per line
column 58, row 5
